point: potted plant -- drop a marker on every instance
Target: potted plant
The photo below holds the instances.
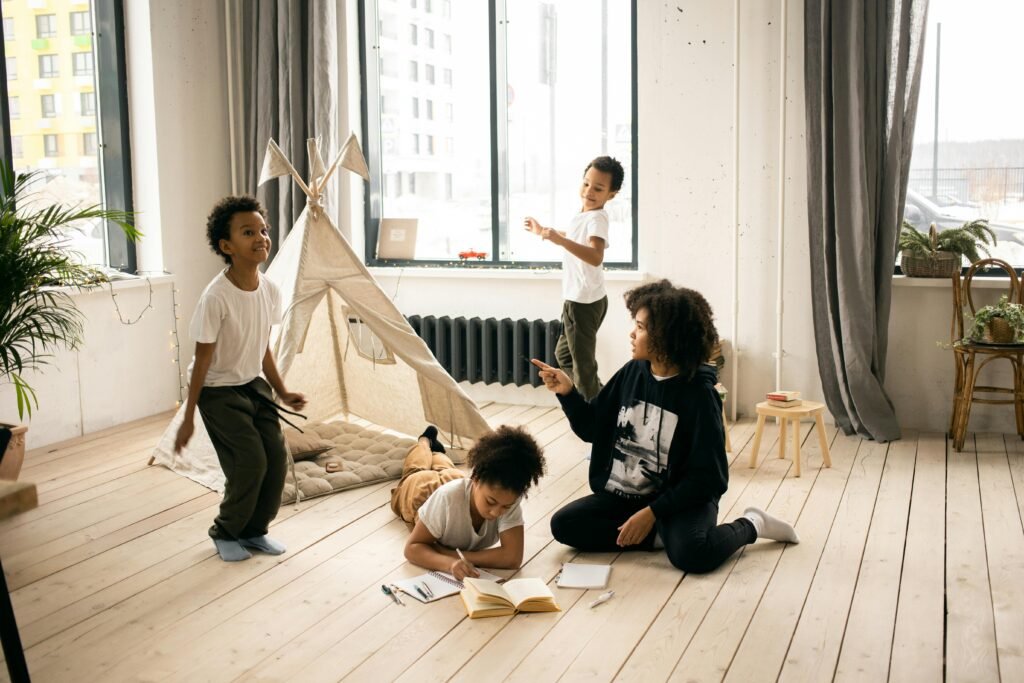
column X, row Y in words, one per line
column 37, row 268
column 1002, row 323
column 940, row 254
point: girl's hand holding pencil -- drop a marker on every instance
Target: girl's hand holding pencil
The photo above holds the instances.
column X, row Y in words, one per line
column 462, row 568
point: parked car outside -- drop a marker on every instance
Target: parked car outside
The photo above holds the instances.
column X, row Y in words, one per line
column 921, row 212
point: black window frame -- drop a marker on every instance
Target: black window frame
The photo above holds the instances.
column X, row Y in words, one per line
column 51, row 59
column 51, row 111
column 374, row 191
column 113, row 138
column 52, row 29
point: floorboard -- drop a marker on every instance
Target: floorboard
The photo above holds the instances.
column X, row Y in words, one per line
column 908, row 569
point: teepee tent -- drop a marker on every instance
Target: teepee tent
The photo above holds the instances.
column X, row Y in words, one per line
column 342, row 341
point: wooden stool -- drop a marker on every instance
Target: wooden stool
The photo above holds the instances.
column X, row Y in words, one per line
column 794, row 415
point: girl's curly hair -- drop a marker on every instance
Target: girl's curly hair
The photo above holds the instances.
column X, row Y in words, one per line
column 680, row 324
column 508, row 457
column 218, row 222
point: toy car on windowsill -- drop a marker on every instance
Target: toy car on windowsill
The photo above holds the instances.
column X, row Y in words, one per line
column 472, row 253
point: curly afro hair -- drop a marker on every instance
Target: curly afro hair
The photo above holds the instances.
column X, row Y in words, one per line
column 680, row 324
column 611, row 166
column 219, row 220
column 508, row 457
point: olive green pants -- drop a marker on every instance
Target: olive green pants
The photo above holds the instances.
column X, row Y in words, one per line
column 577, row 346
column 246, row 433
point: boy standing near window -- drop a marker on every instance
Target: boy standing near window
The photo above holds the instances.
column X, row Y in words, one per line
column 231, row 327
column 585, row 300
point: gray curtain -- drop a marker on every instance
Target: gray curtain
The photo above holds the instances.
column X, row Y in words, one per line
column 285, row 72
column 861, row 79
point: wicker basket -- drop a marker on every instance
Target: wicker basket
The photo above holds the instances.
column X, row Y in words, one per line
column 999, row 332
column 938, row 264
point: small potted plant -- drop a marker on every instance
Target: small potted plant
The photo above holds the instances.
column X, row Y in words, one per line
column 37, row 315
column 1002, row 323
column 940, row 254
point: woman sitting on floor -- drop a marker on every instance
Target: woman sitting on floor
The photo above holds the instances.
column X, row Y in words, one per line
column 658, row 465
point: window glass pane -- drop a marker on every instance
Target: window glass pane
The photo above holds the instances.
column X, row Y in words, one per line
column 14, row 107
column 978, row 171
column 55, row 132
column 8, row 28
column 568, row 102
column 12, row 68
column 450, row 195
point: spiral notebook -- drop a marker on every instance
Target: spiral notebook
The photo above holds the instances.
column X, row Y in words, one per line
column 436, row 585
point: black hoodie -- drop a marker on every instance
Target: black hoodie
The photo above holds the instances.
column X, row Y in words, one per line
column 660, row 442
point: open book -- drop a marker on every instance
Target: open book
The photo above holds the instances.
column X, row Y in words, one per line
column 436, row 585
column 484, row 598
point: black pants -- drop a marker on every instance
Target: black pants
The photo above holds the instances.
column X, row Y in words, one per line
column 576, row 351
column 246, row 433
column 693, row 539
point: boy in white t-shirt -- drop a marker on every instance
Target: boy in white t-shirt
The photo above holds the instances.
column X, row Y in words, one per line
column 231, row 327
column 475, row 513
column 585, row 300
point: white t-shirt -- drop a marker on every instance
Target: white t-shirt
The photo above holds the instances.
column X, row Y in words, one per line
column 582, row 282
column 239, row 321
column 446, row 516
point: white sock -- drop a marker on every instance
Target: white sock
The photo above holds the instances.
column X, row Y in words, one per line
column 771, row 527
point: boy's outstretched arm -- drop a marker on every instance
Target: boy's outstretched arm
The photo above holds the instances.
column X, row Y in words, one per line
column 591, row 253
column 292, row 399
column 203, row 358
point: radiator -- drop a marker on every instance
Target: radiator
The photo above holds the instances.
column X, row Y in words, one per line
column 487, row 349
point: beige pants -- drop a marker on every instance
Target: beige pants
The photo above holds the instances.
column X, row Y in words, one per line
column 422, row 473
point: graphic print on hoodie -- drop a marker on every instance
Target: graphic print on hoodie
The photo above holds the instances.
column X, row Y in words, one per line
column 643, row 435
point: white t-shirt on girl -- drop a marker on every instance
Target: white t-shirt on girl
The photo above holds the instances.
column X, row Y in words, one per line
column 447, row 518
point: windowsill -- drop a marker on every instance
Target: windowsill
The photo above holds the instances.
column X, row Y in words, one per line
column 132, row 282
column 945, row 282
column 441, row 272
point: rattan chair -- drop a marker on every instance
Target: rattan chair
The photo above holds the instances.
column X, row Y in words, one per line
column 971, row 356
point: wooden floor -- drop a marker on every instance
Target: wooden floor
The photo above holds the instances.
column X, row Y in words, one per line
column 911, row 568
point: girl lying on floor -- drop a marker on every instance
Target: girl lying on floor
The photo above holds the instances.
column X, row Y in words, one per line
column 453, row 513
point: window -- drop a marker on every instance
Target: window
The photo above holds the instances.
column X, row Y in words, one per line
column 8, row 28
column 81, row 23
column 366, row 343
column 46, row 25
column 48, row 66
column 412, row 34
column 528, row 125
column 79, row 158
column 87, row 103
column 51, row 147
column 48, row 106
column 81, row 63
column 968, row 161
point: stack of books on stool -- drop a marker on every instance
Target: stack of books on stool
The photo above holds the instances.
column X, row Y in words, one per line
column 783, row 399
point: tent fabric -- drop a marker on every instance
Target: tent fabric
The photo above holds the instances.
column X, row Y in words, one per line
column 342, row 341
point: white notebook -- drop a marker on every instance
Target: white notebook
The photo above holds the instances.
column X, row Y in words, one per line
column 576, row 575
column 436, row 585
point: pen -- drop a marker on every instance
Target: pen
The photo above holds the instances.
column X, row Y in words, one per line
column 395, row 590
column 426, row 589
column 421, row 592
column 463, row 558
column 604, row 597
column 387, row 591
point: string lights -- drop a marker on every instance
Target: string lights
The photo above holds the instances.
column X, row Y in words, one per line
column 117, row 309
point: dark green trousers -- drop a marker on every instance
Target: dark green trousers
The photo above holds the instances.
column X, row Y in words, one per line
column 246, row 432
column 577, row 346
